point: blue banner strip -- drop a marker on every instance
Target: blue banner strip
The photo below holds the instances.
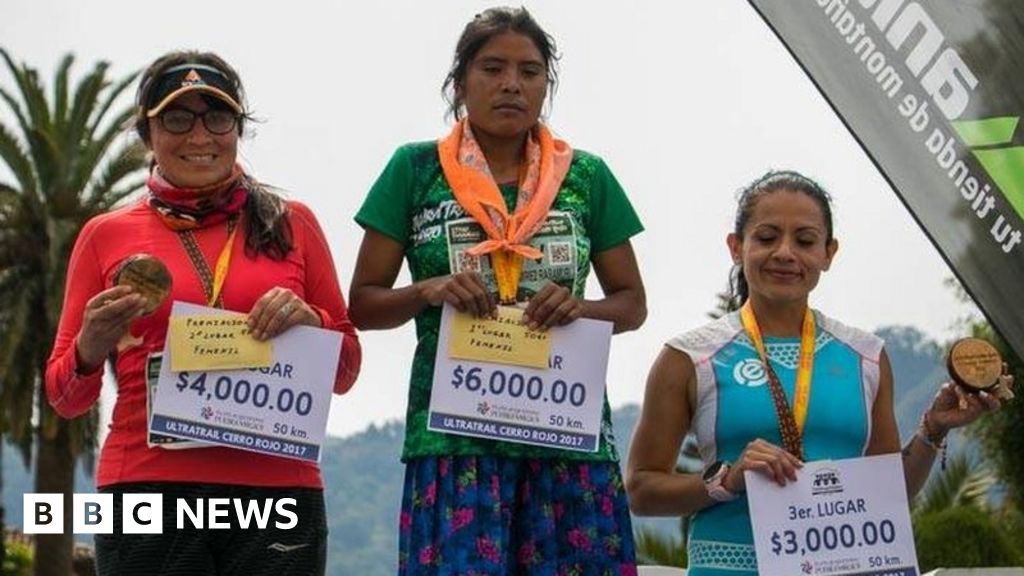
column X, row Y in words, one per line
column 234, row 438
column 510, row 432
column 888, row 572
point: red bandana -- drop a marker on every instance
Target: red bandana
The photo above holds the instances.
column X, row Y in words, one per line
column 191, row 208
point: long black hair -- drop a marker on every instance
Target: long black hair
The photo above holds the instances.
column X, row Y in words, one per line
column 268, row 231
column 771, row 181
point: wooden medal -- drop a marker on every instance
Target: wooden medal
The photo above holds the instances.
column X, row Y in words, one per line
column 975, row 364
column 147, row 276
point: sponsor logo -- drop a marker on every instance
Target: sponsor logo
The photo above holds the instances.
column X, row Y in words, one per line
column 750, row 373
column 826, row 481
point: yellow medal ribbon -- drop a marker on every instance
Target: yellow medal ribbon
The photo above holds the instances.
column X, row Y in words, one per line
column 478, row 194
column 802, row 395
column 221, row 272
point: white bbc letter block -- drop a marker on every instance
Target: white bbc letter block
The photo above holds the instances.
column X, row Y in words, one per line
column 93, row 514
column 142, row 513
column 43, row 514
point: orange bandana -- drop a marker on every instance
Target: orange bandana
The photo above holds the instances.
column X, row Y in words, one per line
column 465, row 168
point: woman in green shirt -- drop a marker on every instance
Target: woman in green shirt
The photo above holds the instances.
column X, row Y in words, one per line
column 500, row 211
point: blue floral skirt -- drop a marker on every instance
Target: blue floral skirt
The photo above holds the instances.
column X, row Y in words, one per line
column 485, row 515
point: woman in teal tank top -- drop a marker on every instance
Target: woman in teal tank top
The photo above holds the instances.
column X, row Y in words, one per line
column 770, row 419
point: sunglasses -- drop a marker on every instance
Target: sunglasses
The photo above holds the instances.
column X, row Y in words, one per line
column 181, row 121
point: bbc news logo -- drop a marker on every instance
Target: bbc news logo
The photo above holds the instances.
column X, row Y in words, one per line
column 144, row 513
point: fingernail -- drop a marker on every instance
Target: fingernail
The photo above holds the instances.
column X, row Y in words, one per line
column 525, row 319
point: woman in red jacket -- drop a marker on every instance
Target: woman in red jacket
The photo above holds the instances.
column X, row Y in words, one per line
column 227, row 241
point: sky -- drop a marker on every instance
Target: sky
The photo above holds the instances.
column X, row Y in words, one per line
column 686, row 101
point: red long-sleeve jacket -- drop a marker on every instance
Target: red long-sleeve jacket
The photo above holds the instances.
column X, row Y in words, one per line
column 104, row 243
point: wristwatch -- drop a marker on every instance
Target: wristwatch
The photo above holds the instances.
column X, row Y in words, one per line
column 714, row 482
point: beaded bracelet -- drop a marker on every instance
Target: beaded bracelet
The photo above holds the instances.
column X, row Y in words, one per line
column 936, row 442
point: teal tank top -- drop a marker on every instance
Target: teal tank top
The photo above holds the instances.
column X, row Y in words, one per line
column 734, row 406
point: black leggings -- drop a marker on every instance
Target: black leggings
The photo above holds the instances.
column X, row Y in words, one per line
column 234, row 551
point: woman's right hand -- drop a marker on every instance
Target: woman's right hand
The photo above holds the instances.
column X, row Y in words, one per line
column 106, row 320
column 766, row 458
column 465, row 291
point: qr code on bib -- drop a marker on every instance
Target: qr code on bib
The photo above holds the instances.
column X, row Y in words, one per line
column 466, row 262
column 559, row 253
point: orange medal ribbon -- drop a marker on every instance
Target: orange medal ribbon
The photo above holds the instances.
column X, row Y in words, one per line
column 802, row 395
column 221, row 271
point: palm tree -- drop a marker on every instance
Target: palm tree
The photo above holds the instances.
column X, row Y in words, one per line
column 69, row 162
column 962, row 483
column 955, row 522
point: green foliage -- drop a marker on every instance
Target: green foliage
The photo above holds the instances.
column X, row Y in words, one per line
column 363, row 490
column 1012, row 521
column 963, row 484
column 17, row 560
column 1000, row 431
column 656, row 549
column 68, row 161
column 962, row 537
column 723, row 305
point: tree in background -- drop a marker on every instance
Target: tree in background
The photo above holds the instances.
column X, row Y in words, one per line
column 963, row 483
column 1000, row 432
column 656, row 548
column 962, row 537
column 67, row 161
column 970, row 514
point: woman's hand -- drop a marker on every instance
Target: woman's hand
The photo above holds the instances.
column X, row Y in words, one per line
column 766, row 458
column 553, row 305
column 105, row 321
column 953, row 408
column 1004, row 390
column 278, row 310
column 465, row 291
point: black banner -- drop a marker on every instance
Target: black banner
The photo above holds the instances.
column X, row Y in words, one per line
column 933, row 91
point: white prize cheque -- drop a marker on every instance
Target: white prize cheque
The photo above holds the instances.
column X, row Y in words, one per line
column 280, row 410
column 557, row 407
column 840, row 517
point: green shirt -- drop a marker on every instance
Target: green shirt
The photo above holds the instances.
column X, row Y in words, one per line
column 412, row 203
